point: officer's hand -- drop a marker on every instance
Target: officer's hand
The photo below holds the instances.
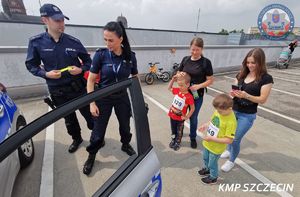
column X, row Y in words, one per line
column 53, row 74
column 94, row 110
column 75, row 70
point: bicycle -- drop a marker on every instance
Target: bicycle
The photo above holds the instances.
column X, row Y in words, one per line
column 158, row 73
column 175, row 69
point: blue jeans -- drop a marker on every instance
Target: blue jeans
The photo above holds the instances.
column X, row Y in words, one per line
column 244, row 123
column 211, row 162
column 194, row 118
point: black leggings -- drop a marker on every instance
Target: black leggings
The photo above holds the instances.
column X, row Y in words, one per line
column 177, row 129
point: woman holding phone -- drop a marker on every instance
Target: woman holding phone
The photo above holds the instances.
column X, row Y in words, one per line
column 253, row 87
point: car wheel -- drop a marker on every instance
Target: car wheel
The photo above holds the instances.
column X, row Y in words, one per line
column 26, row 153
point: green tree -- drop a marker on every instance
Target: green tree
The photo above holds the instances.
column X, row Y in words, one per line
column 223, row 32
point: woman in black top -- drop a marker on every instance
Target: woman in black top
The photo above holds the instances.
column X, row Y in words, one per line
column 255, row 85
column 114, row 63
column 201, row 72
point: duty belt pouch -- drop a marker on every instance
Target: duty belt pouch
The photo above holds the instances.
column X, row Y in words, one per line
column 75, row 86
column 78, row 85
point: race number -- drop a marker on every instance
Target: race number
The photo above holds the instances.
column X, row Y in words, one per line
column 212, row 130
column 178, row 102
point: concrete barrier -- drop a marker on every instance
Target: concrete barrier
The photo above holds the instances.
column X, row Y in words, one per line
column 224, row 58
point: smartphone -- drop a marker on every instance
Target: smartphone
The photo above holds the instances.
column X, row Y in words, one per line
column 235, row 87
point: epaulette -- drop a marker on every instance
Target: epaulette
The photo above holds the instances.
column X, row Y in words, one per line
column 36, row 37
column 101, row 49
column 73, row 38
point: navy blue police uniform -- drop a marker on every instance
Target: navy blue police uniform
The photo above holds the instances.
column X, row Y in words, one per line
column 56, row 56
column 112, row 68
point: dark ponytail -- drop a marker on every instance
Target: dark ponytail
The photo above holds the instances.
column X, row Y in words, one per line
column 119, row 29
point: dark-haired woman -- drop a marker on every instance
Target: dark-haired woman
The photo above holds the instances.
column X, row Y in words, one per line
column 255, row 85
column 115, row 63
column 201, row 72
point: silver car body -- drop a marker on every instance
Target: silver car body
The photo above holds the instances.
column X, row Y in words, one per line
column 9, row 167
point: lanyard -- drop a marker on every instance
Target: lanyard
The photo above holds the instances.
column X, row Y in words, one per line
column 113, row 66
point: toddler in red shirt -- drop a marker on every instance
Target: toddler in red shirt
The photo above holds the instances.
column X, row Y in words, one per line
column 183, row 100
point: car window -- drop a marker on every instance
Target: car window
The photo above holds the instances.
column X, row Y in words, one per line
column 111, row 163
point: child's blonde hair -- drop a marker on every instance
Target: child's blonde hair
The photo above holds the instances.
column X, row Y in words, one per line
column 186, row 77
column 222, row 101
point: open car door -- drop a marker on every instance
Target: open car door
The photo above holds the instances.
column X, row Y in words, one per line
column 139, row 175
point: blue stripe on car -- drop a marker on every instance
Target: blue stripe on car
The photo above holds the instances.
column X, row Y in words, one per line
column 8, row 113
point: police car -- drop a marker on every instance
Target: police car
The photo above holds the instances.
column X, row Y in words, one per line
column 139, row 175
column 11, row 120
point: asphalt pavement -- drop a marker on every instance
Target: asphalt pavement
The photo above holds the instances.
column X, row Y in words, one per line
column 268, row 152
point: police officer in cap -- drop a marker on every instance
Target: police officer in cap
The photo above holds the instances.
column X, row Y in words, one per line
column 60, row 55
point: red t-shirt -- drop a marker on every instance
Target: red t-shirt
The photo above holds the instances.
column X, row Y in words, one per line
column 180, row 104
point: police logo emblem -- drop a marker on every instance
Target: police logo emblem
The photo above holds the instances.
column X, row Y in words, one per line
column 55, row 9
column 275, row 22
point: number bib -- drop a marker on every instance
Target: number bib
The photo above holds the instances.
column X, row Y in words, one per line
column 212, row 130
column 178, row 102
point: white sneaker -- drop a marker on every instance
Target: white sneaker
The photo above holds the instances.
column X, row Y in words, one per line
column 227, row 166
column 225, row 154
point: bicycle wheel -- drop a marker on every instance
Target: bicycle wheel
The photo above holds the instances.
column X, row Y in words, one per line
column 287, row 65
column 149, row 78
column 165, row 76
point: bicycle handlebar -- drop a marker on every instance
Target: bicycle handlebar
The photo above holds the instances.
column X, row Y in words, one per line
column 150, row 63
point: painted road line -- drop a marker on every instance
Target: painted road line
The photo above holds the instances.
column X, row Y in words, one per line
column 285, row 72
column 239, row 162
column 260, row 177
column 265, row 109
column 46, row 187
column 162, row 107
column 288, row 80
column 275, row 89
column 226, row 73
column 283, row 79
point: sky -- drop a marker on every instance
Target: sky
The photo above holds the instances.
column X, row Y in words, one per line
column 167, row 14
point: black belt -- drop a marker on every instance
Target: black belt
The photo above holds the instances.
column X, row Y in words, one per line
column 60, row 90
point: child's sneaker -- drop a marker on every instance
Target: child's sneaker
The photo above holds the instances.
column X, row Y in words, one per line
column 225, row 154
column 227, row 166
column 203, row 172
column 172, row 143
column 209, row 181
column 176, row 146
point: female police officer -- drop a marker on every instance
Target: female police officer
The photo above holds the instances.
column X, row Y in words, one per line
column 57, row 51
column 115, row 63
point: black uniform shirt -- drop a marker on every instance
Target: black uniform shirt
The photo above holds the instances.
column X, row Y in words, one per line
column 111, row 67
